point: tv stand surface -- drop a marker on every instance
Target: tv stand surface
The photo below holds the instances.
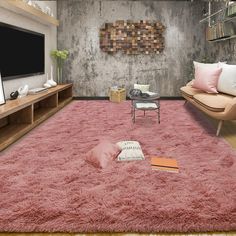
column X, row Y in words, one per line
column 17, row 117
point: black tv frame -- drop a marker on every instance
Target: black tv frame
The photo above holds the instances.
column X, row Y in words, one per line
column 27, row 31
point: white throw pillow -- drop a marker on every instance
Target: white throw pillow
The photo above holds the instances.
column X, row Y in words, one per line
column 204, row 65
column 131, row 150
column 227, row 80
column 208, row 65
column 143, row 87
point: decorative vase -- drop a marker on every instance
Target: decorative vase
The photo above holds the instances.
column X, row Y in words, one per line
column 60, row 56
column 23, row 91
column 47, row 85
column 59, row 75
column 51, row 81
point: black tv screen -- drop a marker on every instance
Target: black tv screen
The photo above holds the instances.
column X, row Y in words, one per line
column 21, row 52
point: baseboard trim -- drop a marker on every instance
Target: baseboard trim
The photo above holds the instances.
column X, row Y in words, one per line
column 91, row 98
column 172, row 98
column 107, row 98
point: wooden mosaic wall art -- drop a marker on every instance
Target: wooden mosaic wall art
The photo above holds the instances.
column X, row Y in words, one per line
column 142, row 37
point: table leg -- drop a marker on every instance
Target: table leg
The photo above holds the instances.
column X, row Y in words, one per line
column 131, row 110
column 133, row 118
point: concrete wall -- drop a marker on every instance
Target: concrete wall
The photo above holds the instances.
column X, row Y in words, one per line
column 50, row 32
column 222, row 51
column 94, row 71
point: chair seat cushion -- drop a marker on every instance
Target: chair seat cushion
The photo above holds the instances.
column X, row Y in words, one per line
column 190, row 91
column 152, row 94
column 213, row 102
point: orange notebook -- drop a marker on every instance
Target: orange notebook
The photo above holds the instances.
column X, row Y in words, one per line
column 168, row 169
column 161, row 163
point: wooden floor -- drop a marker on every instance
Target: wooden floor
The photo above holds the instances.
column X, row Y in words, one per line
column 228, row 132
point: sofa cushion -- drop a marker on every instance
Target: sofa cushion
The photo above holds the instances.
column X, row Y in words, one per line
column 205, row 65
column 206, row 79
column 189, row 91
column 213, row 102
column 227, row 80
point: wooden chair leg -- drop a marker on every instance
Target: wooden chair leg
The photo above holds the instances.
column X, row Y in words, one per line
column 185, row 102
column 219, row 127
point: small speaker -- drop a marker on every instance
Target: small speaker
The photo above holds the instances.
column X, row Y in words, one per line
column 14, row 95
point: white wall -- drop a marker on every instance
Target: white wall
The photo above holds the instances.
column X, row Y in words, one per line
column 50, row 32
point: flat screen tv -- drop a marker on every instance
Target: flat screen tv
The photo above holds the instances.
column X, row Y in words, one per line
column 21, row 52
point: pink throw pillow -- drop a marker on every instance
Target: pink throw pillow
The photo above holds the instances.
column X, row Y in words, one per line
column 102, row 154
column 206, row 79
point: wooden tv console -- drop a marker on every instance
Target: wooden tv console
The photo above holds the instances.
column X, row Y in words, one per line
column 17, row 117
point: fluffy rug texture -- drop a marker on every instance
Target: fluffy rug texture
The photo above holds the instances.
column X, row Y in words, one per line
column 47, row 186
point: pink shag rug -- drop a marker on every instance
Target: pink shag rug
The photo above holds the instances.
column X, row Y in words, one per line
column 46, row 186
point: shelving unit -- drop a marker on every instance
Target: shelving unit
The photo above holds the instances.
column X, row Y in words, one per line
column 17, row 117
column 63, row 96
column 221, row 26
column 20, row 7
column 222, row 39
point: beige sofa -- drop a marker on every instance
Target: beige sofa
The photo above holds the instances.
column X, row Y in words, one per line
column 219, row 106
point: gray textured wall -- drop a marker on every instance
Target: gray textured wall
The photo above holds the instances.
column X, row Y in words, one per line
column 222, row 51
column 94, row 71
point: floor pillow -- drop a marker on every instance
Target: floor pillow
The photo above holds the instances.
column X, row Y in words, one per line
column 103, row 154
column 131, row 150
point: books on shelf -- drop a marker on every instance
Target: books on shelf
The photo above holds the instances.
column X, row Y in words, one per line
column 164, row 164
column 220, row 30
column 231, row 11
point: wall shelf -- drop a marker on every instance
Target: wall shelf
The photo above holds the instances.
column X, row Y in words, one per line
column 17, row 117
column 222, row 39
column 20, row 7
column 221, row 24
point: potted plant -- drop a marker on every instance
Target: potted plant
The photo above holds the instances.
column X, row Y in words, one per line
column 60, row 56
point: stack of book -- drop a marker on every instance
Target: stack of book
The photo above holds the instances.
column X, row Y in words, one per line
column 220, row 30
column 231, row 11
column 164, row 164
